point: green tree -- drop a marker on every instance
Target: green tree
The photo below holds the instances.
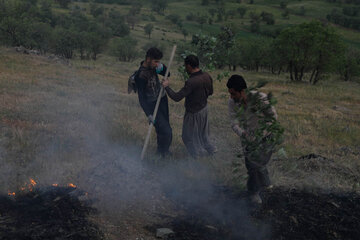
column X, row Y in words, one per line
column 124, row 49
column 96, row 10
column 16, row 22
column 65, row 42
column 348, row 65
column 135, row 8
column 212, row 12
column 308, row 47
column 159, row 6
column 97, row 39
column 41, row 36
column 46, row 14
column 283, row 4
column 268, row 18
column 202, row 20
column 242, row 11
column 132, row 20
column 63, row 3
column 185, row 33
column 285, row 14
column 116, row 22
column 174, row 18
column 154, row 43
column 148, row 29
column 255, row 22
column 205, row 2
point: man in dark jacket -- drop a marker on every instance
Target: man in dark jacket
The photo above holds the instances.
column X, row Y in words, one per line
column 148, row 86
column 197, row 89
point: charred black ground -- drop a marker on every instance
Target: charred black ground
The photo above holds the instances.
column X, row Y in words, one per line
column 285, row 214
column 62, row 213
column 44, row 214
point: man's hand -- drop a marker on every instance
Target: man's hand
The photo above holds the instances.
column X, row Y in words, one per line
column 165, row 83
column 151, row 119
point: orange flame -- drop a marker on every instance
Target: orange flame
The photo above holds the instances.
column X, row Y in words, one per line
column 71, row 185
column 32, row 182
column 11, row 193
column 31, row 185
column 55, row 185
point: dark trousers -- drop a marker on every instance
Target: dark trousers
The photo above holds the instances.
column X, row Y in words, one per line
column 257, row 171
column 162, row 126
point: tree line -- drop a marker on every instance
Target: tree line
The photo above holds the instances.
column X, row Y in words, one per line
column 33, row 24
column 308, row 51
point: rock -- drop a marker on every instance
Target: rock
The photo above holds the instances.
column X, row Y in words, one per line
column 340, row 108
column 164, row 233
column 36, row 52
column 21, row 49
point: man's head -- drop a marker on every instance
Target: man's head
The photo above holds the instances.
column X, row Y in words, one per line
column 153, row 57
column 236, row 87
column 191, row 63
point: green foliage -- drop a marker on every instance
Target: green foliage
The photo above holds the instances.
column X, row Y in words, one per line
column 205, row 2
column 148, row 29
column 212, row 51
column 185, row 33
column 41, row 37
column 159, row 6
column 348, row 65
column 96, row 10
column 124, row 49
column 268, row 18
column 252, row 55
column 347, row 21
column 135, row 8
column 255, row 22
column 283, row 4
column 308, row 47
column 242, row 11
column 157, row 44
column 63, row 3
column 116, row 22
column 174, row 18
column 65, row 42
column 269, row 133
column 16, row 22
column 286, row 14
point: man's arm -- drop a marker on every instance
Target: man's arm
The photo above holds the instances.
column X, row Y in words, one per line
column 141, row 85
column 177, row 96
column 233, row 118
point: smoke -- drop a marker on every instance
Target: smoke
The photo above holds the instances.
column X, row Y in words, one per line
column 76, row 145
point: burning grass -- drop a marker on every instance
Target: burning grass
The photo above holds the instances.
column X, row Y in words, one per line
column 47, row 213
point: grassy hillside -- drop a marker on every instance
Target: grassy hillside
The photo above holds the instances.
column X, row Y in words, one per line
column 168, row 31
column 43, row 100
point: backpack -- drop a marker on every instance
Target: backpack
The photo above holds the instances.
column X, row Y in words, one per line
column 132, row 83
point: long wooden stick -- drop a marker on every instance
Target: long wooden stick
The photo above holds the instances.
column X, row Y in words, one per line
column 157, row 105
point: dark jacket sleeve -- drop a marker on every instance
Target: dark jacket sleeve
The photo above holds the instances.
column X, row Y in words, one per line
column 211, row 88
column 184, row 92
column 141, row 85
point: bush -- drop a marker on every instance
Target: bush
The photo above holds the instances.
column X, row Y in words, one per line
column 268, row 18
column 157, row 44
column 124, row 49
